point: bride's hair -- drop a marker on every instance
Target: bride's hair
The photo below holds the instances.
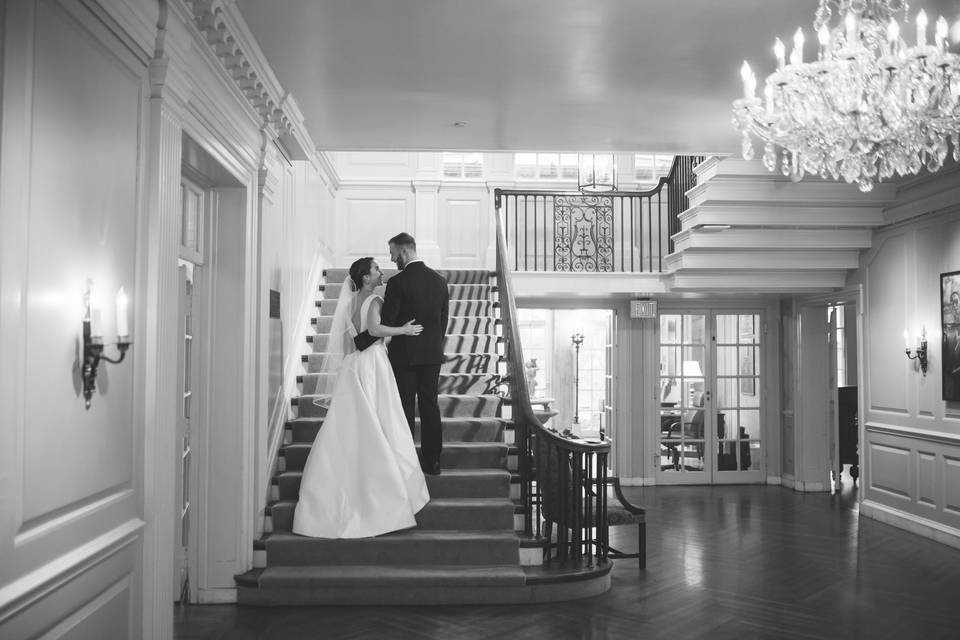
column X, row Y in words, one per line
column 359, row 269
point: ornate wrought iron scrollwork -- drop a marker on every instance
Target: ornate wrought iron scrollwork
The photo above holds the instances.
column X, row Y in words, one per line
column 583, row 233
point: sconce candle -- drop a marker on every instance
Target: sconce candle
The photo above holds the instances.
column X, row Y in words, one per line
column 123, row 328
column 93, row 340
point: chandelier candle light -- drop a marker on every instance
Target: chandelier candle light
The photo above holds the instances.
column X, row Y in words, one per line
column 868, row 108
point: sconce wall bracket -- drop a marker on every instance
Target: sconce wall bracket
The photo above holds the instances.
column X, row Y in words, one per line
column 92, row 355
column 919, row 354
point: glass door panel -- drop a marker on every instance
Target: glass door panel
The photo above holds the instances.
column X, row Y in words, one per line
column 710, row 413
column 683, row 394
column 739, row 446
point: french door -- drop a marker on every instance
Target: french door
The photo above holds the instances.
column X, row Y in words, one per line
column 710, row 428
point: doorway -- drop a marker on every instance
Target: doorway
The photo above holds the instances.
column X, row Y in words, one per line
column 190, row 265
column 710, row 428
column 569, row 357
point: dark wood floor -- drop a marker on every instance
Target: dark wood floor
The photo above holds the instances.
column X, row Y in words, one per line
column 724, row 562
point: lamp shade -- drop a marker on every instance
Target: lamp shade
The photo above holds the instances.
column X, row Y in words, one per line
column 598, row 172
column 691, row 369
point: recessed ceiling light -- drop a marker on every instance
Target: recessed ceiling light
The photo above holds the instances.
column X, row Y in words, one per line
column 459, row 124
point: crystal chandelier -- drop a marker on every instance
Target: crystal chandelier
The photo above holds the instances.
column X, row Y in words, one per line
column 868, row 108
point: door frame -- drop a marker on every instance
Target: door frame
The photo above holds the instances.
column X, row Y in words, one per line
column 810, row 354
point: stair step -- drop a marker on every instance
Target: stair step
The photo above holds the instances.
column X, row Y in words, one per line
column 411, row 546
column 458, row 383
column 441, row 514
column 452, row 362
column 453, row 343
column 455, row 455
column 421, row 585
column 457, row 291
column 458, row 514
column 470, row 343
column 453, row 429
column 451, row 405
column 452, row 483
column 457, row 429
column 336, row 276
column 396, row 577
column 455, row 325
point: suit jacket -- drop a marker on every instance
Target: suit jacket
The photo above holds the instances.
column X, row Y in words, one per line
column 417, row 293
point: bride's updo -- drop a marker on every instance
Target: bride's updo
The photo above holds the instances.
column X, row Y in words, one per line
column 359, row 269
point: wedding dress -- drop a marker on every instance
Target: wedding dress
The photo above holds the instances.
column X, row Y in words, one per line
column 362, row 477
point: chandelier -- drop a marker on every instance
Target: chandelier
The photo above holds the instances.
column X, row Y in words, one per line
column 868, row 108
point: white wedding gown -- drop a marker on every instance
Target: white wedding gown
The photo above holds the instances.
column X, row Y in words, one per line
column 362, row 477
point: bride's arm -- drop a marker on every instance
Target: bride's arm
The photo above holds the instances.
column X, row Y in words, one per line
column 381, row 330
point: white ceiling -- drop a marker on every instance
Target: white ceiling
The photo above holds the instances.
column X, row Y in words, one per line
column 584, row 75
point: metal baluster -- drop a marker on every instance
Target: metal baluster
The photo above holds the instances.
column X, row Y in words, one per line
column 659, row 216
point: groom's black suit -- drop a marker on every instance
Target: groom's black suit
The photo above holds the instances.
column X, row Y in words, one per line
column 419, row 293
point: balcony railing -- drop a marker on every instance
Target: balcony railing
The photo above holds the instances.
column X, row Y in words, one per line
column 618, row 231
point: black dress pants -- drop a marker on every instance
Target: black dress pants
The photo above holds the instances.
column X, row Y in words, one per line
column 419, row 384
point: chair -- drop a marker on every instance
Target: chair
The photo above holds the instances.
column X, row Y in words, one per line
column 555, row 487
column 627, row 513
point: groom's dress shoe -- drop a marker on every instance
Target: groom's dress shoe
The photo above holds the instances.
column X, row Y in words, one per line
column 431, row 468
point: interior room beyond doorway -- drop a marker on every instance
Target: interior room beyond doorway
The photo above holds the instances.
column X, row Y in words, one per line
column 568, row 357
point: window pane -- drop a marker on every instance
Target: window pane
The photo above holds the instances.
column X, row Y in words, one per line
column 669, row 361
column 727, row 361
column 693, row 329
column 749, row 424
column 726, row 393
column 525, row 165
column 748, row 324
column 643, row 167
column 549, row 165
column 669, row 329
column 472, row 165
column 727, row 332
column 662, row 165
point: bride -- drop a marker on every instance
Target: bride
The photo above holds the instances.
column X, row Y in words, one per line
column 362, row 477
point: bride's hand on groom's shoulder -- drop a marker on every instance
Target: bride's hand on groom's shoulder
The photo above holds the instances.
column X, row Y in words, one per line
column 412, row 329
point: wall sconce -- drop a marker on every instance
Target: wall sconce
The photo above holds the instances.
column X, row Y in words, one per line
column 93, row 339
column 920, row 353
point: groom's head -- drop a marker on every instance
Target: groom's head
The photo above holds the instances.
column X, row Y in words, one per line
column 403, row 249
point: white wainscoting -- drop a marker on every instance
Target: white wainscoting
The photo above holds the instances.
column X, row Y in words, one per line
column 912, row 480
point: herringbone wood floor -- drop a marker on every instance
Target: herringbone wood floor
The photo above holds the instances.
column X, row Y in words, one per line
column 731, row 562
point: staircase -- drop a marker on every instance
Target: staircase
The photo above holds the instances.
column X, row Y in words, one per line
column 465, row 548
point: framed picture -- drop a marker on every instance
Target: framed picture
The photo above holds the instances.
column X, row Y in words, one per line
column 950, row 330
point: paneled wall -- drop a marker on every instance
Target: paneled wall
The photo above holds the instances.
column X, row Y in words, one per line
column 100, row 117
column 910, row 445
column 71, row 486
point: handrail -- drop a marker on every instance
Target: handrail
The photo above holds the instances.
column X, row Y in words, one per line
column 581, row 458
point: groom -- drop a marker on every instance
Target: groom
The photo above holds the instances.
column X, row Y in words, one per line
column 417, row 293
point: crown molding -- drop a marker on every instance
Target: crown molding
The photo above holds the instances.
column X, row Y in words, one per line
column 222, row 28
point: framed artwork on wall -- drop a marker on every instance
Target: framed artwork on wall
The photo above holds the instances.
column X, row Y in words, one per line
column 950, row 332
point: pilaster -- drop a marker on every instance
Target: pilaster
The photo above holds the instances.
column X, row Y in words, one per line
column 426, row 189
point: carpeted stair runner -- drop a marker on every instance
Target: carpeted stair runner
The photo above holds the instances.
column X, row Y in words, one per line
column 464, row 548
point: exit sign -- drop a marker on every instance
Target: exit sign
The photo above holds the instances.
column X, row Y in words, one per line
column 643, row 308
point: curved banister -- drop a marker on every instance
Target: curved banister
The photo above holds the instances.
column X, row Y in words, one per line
column 563, row 496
